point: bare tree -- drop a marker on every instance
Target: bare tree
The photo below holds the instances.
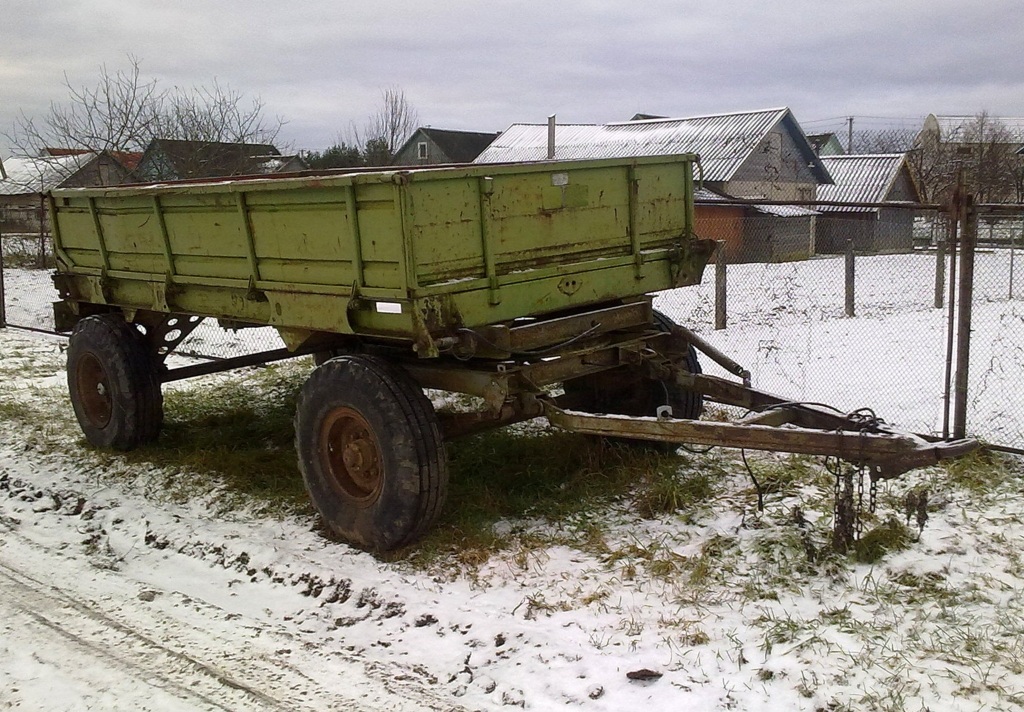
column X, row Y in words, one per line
column 986, row 151
column 119, row 114
column 215, row 113
column 931, row 161
column 989, row 159
column 388, row 128
column 1018, row 177
column 124, row 112
column 890, row 140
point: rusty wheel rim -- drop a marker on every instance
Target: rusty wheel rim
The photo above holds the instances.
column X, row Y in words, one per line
column 93, row 387
column 351, row 456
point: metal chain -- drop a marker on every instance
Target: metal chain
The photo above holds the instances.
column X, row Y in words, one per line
column 838, row 473
column 848, row 505
column 858, row 522
column 844, row 532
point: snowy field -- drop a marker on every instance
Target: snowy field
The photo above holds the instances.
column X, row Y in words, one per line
column 116, row 596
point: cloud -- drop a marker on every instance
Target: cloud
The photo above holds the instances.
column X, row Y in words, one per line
column 467, row 64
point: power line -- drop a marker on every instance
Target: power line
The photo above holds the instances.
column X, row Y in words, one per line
column 844, row 119
column 818, row 121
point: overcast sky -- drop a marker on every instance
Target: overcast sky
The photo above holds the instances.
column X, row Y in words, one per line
column 321, row 64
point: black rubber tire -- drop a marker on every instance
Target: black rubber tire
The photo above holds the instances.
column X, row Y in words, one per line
column 621, row 391
column 685, row 404
column 371, row 452
column 113, row 383
column 322, row 357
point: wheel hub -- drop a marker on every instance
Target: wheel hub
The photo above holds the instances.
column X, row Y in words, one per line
column 351, row 456
column 93, row 390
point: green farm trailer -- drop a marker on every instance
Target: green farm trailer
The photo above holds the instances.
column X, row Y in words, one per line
column 526, row 285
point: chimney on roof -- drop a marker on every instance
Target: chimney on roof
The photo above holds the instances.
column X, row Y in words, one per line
column 551, row 137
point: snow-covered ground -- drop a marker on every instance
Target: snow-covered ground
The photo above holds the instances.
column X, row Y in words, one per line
column 115, row 596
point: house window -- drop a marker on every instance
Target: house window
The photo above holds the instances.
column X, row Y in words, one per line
column 421, row 150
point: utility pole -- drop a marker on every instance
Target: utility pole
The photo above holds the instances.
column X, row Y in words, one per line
column 849, row 136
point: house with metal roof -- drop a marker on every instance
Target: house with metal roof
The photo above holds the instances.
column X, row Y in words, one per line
column 172, row 159
column 754, row 233
column 25, row 180
column 754, row 154
column 879, row 178
column 430, row 146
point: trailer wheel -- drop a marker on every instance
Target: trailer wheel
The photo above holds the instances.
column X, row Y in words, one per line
column 113, row 383
column 322, row 357
column 623, row 392
column 685, row 404
column 370, row 451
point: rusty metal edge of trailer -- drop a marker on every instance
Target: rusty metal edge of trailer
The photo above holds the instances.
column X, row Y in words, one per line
column 252, row 183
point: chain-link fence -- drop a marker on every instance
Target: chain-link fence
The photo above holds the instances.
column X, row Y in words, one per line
column 27, row 295
column 868, row 330
column 787, row 310
column 995, row 405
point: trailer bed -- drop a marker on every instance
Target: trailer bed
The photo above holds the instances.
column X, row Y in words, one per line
column 408, row 254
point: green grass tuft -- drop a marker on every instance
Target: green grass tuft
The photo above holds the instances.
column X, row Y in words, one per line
column 887, row 537
column 521, row 475
column 979, row 472
column 671, row 491
column 16, row 410
column 237, row 430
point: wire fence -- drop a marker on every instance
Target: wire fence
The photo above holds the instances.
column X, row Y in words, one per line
column 874, row 330
column 27, row 295
column 788, row 311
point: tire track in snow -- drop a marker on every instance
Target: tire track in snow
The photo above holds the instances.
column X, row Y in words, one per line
column 91, row 626
column 88, row 635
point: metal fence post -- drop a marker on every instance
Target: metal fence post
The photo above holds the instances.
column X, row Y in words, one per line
column 940, row 274
column 720, row 286
column 1013, row 241
column 3, row 295
column 850, row 281
column 952, row 223
column 41, row 258
column 968, row 241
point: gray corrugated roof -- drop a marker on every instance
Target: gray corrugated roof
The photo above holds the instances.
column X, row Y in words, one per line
column 723, row 141
column 38, row 175
column 860, row 179
column 704, row 196
column 786, row 211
